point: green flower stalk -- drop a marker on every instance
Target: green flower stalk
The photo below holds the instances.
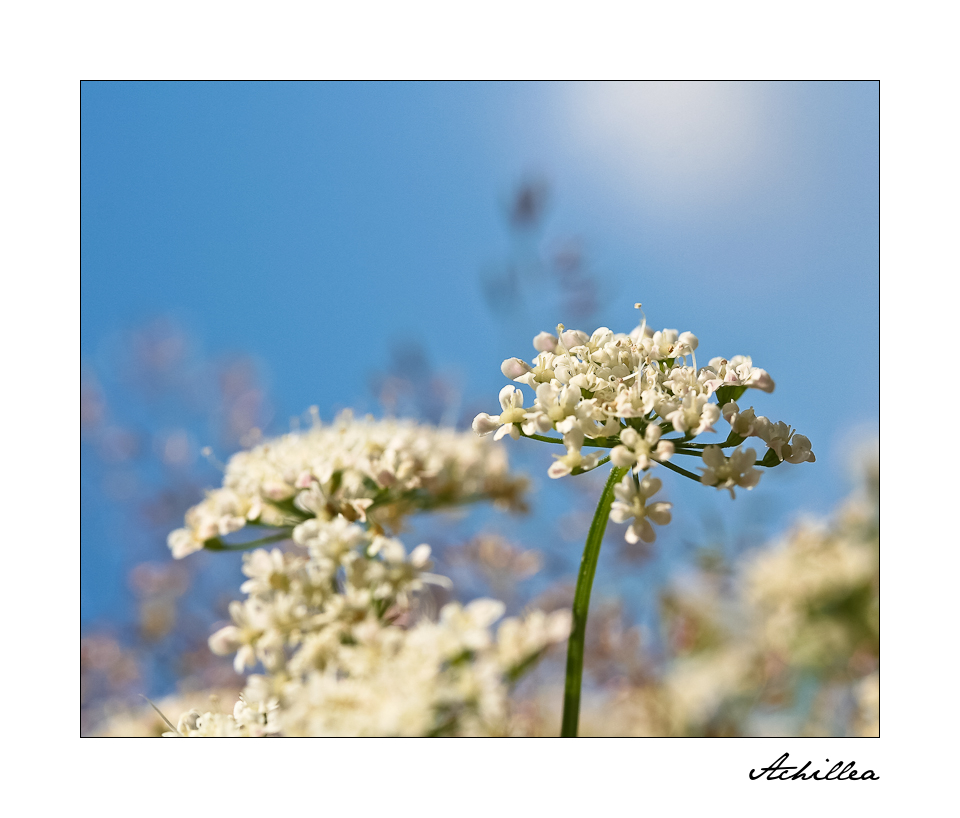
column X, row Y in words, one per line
column 622, row 393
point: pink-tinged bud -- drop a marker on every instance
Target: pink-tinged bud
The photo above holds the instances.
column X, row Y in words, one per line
column 574, row 338
column 513, row 368
column 304, row 480
column 759, row 379
column 545, row 342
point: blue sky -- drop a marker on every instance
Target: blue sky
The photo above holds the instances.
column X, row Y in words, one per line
column 320, row 226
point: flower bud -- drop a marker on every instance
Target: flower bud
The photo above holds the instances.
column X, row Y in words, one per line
column 545, row 342
column 760, row 379
column 513, row 368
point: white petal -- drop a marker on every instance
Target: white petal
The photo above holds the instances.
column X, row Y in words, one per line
column 622, row 457
column 420, row 556
column 713, row 457
column 508, row 397
column 665, row 450
column 620, row 512
column 484, row 424
column 659, row 513
column 650, row 486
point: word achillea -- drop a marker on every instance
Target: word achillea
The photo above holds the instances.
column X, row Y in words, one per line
column 623, row 393
column 334, row 622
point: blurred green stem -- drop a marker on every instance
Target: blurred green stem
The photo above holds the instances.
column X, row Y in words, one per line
column 581, row 605
column 217, row 544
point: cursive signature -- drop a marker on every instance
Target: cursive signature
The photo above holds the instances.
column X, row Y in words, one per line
column 780, row 771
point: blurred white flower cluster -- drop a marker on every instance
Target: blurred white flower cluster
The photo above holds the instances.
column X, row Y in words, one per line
column 785, row 642
column 370, row 471
column 623, row 392
column 335, row 622
column 799, row 636
column 816, row 595
column 806, row 616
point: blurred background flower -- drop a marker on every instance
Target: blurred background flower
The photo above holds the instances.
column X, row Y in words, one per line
column 252, row 249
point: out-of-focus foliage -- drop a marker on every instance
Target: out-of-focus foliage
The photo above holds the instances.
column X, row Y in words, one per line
column 334, row 622
column 149, row 402
column 785, row 642
column 541, row 266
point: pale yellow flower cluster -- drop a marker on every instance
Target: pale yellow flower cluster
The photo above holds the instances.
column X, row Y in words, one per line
column 622, row 392
column 785, row 643
column 808, row 608
column 334, row 623
column 816, row 594
column 450, row 677
column 591, row 387
column 362, row 470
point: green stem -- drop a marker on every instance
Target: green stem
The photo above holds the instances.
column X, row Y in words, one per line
column 682, row 442
column 677, row 469
column 581, row 605
column 598, row 443
column 699, row 453
column 217, row 544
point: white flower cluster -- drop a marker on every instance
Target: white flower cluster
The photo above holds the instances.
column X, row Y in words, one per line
column 623, row 392
column 247, row 721
column 449, row 677
column 359, row 470
column 816, row 594
column 631, row 502
column 334, row 623
column 338, row 663
column 780, row 438
column 807, row 608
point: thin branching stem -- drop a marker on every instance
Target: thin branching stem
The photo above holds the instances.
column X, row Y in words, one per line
column 217, row 544
column 677, row 469
column 679, row 441
column 598, row 443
